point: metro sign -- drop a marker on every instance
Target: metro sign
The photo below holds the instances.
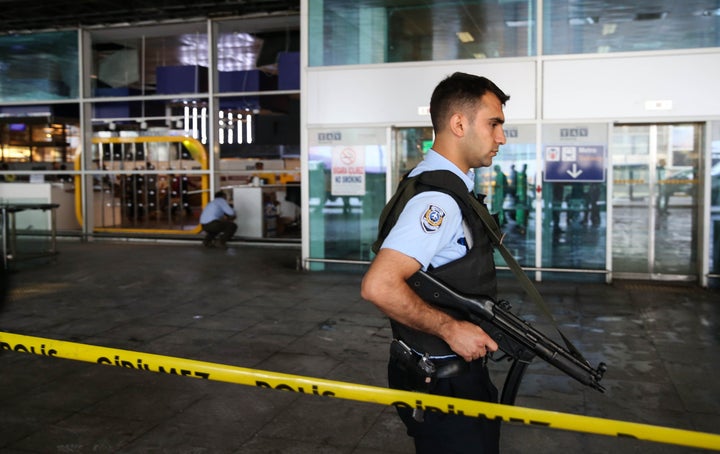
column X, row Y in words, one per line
column 568, row 163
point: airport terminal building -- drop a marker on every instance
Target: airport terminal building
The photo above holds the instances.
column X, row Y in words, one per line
column 308, row 115
column 119, row 122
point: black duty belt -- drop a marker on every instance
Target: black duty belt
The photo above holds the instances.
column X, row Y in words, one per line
column 435, row 367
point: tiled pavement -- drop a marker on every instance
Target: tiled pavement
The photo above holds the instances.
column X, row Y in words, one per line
column 249, row 306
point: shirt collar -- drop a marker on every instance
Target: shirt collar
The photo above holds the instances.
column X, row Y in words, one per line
column 435, row 161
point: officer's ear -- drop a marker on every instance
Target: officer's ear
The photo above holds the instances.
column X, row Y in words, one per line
column 457, row 124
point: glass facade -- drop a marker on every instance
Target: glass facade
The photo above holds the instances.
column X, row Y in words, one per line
column 255, row 89
column 384, row 31
column 148, row 88
column 39, row 66
column 602, row 27
column 371, row 31
column 150, row 60
column 244, row 114
column 40, row 135
column 149, row 169
column 258, row 113
column 39, row 147
column 259, row 57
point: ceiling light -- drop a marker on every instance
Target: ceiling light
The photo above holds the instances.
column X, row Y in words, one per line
column 609, row 29
column 518, row 23
column 465, row 37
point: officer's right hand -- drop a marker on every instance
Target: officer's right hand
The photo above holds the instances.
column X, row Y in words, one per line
column 469, row 340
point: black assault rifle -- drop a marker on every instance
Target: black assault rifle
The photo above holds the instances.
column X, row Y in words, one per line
column 514, row 336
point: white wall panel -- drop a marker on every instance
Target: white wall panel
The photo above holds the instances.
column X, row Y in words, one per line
column 618, row 88
column 392, row 94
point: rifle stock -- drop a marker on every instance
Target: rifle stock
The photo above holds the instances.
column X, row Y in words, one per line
column 514, row 336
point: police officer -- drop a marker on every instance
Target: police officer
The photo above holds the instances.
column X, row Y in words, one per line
column 435, row 233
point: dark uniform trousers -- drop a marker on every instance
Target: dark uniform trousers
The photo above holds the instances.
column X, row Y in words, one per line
column 442, row 433
column 226, row 230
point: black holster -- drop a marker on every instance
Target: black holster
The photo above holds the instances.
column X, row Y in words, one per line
column 421, row 373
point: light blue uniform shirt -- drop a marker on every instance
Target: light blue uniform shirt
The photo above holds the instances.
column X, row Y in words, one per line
column 430, row 228
column 215, row 210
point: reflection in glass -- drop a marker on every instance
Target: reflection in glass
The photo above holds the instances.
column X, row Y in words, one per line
column 150, row 60
column 597, row 27
column 509, row 189
column 46, row 140
column 259, row 54
column 39, row 66
column 574, row 225
column 381, row 31
column 263, row 127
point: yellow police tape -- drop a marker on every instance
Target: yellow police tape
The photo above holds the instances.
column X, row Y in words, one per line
column 342, row 390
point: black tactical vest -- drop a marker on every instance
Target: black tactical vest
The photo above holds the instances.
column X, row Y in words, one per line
column 472, row 274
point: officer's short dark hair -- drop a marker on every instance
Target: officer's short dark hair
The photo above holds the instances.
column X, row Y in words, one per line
column 460, row 89
column 220, row 194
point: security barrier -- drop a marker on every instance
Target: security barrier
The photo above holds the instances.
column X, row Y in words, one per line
column 143, row 185
column 343, row 390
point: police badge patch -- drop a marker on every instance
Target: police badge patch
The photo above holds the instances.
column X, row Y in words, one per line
column 432, row 219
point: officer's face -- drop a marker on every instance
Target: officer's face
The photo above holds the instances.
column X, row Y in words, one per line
column 485, row 132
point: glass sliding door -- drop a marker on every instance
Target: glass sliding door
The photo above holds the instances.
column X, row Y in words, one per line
column 346, row 193
column 655, row 200
column 573, row 199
